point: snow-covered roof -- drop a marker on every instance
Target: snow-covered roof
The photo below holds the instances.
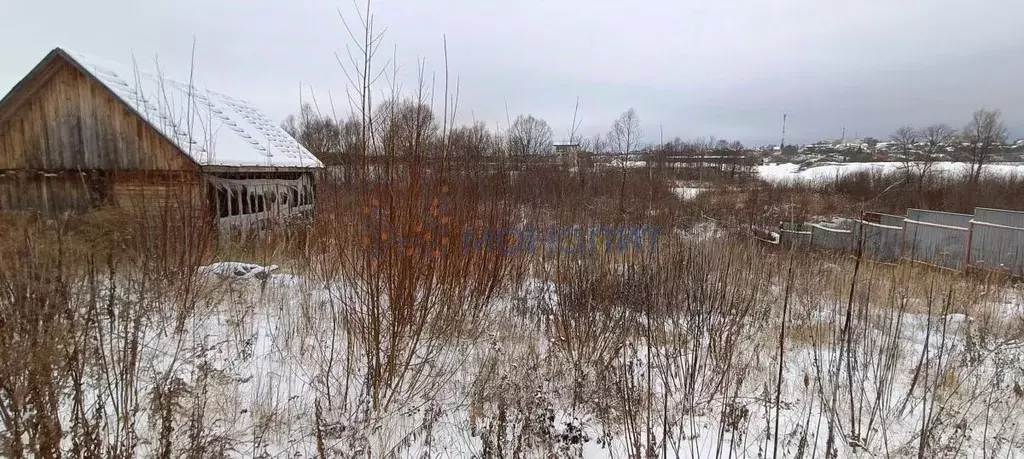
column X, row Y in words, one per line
column 212, row 128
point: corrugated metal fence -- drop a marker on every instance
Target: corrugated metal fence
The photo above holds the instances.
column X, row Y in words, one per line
column 997, row 240
column 936, row 238
column 991, row 239
column 795, row 234
column 832, row 238
column 881, row 242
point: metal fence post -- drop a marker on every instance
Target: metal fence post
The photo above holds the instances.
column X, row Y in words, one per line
column 860, row 246
column 970, row 242
column 903, row 239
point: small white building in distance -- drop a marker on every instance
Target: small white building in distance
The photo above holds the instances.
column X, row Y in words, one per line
column 566, row 147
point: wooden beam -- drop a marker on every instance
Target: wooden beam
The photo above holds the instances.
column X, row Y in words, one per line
column 260, row 169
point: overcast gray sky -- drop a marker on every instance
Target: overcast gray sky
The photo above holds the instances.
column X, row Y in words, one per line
column 728, row 68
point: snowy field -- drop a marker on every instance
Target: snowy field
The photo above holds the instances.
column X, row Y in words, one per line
column 788, row 172
column 267, row 365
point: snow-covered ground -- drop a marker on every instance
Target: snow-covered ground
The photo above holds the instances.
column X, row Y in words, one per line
column 780, row 173
column 269, row 360
column 687, row 193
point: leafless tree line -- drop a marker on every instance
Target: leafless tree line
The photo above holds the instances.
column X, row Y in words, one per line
column 404, row 122
column 400, row 124
column 977, row 142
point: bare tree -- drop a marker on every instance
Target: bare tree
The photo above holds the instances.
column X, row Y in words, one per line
column 291, row 126
column 701, row 146
column 595, row 145
column 624, row 137
column 871, row 142
column 658, row 156
column 697, row 149
column 351, row 143
column 319, row 134
column 405, row 127
column 905, row 141
column 738, row 161
column 529, row 136
column 905, row 138
column 626, row 133
column 675, row 145
column 984, row 134
column 935, row 137
column 474, row 141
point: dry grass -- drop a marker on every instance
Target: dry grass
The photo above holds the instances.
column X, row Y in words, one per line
column 394, row 338
column 633, row 342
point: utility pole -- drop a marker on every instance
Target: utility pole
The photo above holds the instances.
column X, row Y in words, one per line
column 783, row 144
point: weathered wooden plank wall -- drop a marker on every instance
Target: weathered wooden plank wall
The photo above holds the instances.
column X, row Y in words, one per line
column 70, row 122
column 161, row 195
column 51, row 194
column 151, row 194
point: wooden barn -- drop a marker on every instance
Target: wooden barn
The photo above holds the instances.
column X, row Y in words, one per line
column 79, row 133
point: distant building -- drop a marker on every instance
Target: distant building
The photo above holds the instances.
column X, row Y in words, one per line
column 566, row 147
column 79, row 133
